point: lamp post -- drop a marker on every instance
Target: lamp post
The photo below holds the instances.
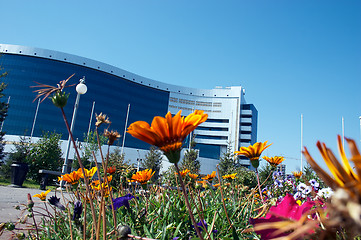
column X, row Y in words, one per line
column 81, row 89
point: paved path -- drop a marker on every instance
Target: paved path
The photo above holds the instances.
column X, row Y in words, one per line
column 11, row 197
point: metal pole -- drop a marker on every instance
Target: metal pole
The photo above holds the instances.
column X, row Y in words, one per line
column 343, row 131
column 301, row 142
column 65, row 165
column 125, row 129
column 360, row 128
column 35, row 117
column 2, row 124
column 90, row 122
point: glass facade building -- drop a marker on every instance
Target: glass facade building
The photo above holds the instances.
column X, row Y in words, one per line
column 111, row 90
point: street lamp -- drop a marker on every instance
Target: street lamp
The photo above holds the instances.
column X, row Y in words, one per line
column 81, row 89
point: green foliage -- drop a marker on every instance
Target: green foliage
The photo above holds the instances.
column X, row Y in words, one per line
column 45, row 154
column 90, row 145
column 153, row 160
column 3, row 112
column 123, row 168
column 19, row 154
column 227, row 163
column 264, row 174
column 190, row 160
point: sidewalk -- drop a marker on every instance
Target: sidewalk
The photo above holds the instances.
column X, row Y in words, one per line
column 12, row 196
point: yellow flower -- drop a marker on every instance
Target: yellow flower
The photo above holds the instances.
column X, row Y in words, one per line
column 343, row 174
column 193, row 176
column 274, row 161
column 101, row 119
column 216, row 185
column 297, row 174
column 143, row 176
column 230, row 176
column 42, row 195
column 72, row 178
column 204, row 184
column 168, row 133
column 184, row 172
column 88, row 173
column 210, row 177
column 253, row 152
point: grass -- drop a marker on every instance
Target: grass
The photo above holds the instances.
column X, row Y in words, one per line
column 27, row 183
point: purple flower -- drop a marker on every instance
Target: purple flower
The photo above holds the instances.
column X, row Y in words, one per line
column 203, row 225
column 78, row 209
column 122, row 201
column 53, row 200
column 314, row 184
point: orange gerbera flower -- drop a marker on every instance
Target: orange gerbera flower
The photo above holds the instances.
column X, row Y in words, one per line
column 253, row 152
column 111, row 170
column 88, row 173
column 71, row 178
column 168, row 133
column 230, row 176
column 184, row 172
column 42, row 195
column 210, row 177
column 274, row 161
column 297, row 175
column 193, row 176
column 143, row 176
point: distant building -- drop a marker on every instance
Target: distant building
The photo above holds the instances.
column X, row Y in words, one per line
column 282, row 168
column 230, row 118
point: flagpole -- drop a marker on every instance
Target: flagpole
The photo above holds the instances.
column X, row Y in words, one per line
column 301, row 142
column 35, row 117
column 125, row 129
column 90, row 122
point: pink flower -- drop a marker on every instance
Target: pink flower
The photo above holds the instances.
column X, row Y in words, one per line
column 286, row 209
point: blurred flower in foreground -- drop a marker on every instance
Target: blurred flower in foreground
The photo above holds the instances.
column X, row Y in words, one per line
column 42, row 195
column 122, row 201
column 210, row 177
column 285, row 216
column 56, row 202
column 72, row 178
column 143, row 176
column 345, row 207
column 253, row 152
column 274, row 161
column 168, row 133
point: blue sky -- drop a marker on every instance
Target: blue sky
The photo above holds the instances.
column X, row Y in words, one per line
column 292, row 57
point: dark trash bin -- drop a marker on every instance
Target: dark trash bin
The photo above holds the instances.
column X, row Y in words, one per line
column 18, row 173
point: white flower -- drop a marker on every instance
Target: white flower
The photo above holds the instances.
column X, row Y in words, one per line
column 325, row 192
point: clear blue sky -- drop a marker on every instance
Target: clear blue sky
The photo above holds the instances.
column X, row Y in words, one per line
column 292, row 57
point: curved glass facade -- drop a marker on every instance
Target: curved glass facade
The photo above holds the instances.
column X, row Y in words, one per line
column 111, row 94
column 231, row 121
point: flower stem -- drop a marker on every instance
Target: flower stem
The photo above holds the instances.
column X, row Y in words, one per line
column 259, row 185
column 187, row 203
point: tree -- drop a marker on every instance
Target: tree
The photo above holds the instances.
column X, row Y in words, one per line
column 3, row 112
column 226, row 163
column 91, row 144
column 123, row 169
column 153, row 160
column 45, row 154
column 190, row 160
